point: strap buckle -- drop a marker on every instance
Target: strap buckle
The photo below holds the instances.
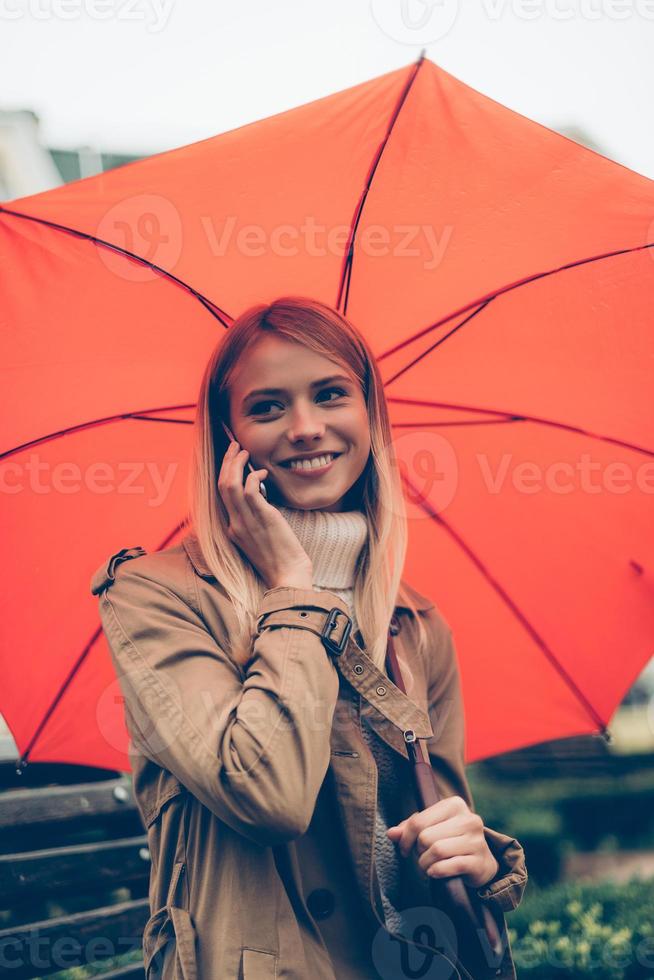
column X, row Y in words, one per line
column 336, row 649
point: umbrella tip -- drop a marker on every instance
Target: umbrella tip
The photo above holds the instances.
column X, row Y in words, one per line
column 422, row 55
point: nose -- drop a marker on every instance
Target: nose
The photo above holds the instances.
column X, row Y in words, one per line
column 305, row 425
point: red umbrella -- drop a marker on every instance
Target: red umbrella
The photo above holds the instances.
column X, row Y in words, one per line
column 504, row 276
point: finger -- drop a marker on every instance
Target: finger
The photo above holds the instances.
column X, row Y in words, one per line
column 230, row 453
column 226, row 464
column 229, row 482
column 462, row 864
column 454, row 827
column 234, row 477
column 246, row 497
column 253, row 496
column 407, row 838
column 446, row 848
column 418, row 821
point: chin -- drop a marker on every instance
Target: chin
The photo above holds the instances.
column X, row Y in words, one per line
column 315, row 501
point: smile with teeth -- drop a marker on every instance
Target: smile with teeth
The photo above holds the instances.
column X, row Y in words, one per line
column 318, row 463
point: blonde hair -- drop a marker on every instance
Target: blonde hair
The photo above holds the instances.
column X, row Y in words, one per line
column 377, row 492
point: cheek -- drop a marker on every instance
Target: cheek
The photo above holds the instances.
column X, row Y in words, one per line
column 359, row 429
column 361, row 455
column 259, row 442
column 364, row 439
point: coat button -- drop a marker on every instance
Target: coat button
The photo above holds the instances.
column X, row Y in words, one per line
column 321, row 903
column 358, row 669
column 381, row 691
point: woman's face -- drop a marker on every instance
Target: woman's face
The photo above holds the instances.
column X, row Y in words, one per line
column 300, row 417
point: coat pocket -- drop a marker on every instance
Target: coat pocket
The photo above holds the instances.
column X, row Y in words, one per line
column 169, row 940
column 258, row 964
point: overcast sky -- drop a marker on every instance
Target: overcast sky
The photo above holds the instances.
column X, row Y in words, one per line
column 147, row 75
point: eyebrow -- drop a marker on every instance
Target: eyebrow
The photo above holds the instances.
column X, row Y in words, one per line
column 282, row 391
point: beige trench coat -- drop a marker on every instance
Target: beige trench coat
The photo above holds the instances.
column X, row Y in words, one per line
column 256, row 786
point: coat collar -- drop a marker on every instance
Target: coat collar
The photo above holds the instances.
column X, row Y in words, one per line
column 192, row 548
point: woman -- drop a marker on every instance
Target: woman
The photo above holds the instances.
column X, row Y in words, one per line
column 265, row 739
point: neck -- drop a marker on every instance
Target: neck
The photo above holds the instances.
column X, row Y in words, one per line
column 333, row 540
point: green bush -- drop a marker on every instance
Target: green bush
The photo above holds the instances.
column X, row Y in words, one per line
column 573, row 930
column 551, row 817
column 101, row 967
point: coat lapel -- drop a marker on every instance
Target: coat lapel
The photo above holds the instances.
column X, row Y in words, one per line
column 353, row 766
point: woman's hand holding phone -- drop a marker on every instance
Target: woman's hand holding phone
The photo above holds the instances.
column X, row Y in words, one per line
column 258, row 528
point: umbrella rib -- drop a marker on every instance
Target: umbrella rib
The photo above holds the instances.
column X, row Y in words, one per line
column 213, row 308
column 484, row 300
column 140, row 415
column 150, row 418
column 23, row 760
column 437, row 343
column 508, row 601
column 346, row 268
column 451, row 424
column 522, row 417
column 509, row 415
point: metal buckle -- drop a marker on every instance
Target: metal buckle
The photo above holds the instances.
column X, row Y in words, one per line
column 336, row 649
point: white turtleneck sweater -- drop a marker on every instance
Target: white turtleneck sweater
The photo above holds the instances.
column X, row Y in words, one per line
column 333, row 541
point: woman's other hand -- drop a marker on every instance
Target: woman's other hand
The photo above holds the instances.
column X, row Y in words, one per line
column 449, row 840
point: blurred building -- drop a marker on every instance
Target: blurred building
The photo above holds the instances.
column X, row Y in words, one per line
column 29, row 167
column 25, row 165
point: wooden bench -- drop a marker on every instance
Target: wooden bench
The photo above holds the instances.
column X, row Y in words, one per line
column 74, row 871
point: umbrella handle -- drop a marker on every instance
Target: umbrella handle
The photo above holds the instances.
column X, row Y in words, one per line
column 471, row 917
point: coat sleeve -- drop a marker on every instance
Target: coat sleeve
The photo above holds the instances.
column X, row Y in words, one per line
column 447, row 754
column 252, row 746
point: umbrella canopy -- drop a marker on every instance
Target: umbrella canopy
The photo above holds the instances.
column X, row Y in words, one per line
column 504, row 277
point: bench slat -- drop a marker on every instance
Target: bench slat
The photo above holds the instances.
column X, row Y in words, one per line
column 90, row 867
column 57, row 804
column 41, row 948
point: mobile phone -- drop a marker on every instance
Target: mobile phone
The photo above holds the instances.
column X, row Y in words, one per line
column 230, row 435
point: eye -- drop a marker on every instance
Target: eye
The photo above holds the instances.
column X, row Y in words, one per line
column 338, row 390
column 258, row 408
